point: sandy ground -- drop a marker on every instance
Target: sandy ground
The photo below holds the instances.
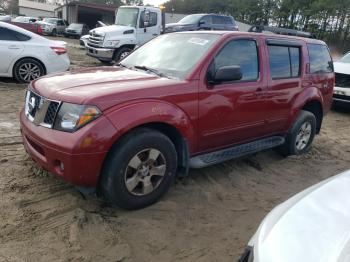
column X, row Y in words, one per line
column 208, row 216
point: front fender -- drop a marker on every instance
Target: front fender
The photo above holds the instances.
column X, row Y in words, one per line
column 127, row 117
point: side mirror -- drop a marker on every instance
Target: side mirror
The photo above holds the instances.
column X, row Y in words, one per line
column 227, row 74
column 201, row 23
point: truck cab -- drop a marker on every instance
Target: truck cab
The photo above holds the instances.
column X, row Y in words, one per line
column 134, row 26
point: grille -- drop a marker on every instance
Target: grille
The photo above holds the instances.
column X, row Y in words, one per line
column 51, row 113
column 39, row 110
column 95, row 40
column 342, row 80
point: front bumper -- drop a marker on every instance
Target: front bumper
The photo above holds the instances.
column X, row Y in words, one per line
column 341, row 96
column 68, row 34
column 105, row 54
column 70, row 156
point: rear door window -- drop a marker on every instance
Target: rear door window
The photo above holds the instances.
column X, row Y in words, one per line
column 10, row 35
column 218, row 20
column 320, row 59
column 284, row 61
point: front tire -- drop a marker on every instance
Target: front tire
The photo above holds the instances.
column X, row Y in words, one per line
column 301, row 135
column 139, row 169
column 54, row 32
column 122, row 53
column 27, row 70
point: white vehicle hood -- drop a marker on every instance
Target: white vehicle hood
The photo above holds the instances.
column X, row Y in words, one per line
column 313, row 226
column 342, row 68
column 43, row 23
column 112, row 30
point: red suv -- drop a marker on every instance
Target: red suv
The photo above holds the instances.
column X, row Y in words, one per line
column 183, row 100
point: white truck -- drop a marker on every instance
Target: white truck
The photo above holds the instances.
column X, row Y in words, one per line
column 134, row 26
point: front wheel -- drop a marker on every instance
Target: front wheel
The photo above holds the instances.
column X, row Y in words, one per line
column 122, row 53
column 54, row 32
column 139, row 169
column 301, row 135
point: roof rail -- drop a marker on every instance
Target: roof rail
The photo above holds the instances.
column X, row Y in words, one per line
column 280, row 31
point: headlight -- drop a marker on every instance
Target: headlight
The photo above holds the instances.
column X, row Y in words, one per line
column 112, row 43
column 71, row 117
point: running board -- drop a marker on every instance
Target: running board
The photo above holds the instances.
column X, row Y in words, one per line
column 235, row 152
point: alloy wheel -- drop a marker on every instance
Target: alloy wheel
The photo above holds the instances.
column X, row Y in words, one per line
column 29, row 72
column 303, row 136
column 145, row 172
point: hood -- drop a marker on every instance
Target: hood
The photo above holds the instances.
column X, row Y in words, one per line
column 312, row 226
column 111, row 30
column 43, row 23
column 179, row 27
column 102, row 86
column 342, row 68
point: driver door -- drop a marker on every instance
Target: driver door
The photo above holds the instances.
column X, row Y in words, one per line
column 149, row 27
column 233, row 112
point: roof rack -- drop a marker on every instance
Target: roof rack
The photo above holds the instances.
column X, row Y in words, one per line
column 280, row 31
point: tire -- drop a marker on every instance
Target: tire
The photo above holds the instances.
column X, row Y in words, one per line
column 130, row 178
column 122, row 53
column 27, row 70
column 54, row 32
column 300, row 136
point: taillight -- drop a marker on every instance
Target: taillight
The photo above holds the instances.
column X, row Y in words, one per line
column 39, row 30
column 59, row 50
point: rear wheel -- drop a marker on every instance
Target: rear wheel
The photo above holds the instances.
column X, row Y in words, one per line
column 27, row 70
column 301, row 135
column 139, row 169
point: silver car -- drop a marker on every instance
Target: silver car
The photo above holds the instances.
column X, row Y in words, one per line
column 53, row 26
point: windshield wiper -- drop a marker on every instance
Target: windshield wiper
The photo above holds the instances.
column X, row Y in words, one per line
column 154, row 71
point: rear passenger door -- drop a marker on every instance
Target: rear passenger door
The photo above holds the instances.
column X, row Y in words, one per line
column 284, row 63
column 218, row 23
column 11, row 46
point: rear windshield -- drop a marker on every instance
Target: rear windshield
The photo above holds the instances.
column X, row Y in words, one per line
column 320, row 59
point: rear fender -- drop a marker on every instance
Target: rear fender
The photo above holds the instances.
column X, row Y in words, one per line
column 307, row 95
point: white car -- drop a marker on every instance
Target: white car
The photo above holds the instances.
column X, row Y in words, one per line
column 341, row 94
column 312, row 226
column 27, row 56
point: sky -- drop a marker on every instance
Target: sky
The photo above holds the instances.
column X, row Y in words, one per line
column 153, row 2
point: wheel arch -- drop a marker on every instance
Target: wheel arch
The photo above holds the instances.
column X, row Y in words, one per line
column 315, row 107
column 28, row 57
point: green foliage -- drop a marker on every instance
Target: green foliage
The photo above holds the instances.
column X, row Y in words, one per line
column 327, row 19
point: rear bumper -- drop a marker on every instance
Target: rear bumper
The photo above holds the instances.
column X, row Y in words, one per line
column 105, row 54
column 55, row 151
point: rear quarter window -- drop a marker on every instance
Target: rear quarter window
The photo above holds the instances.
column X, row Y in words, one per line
column 320, row 59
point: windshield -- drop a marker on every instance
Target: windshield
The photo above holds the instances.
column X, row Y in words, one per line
column 76, row 26
column 173, row 55
column 127, row 17
column 190, row 19
column 50, row 20
column 345, row 59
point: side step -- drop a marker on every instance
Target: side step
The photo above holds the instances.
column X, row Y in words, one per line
column 235, row 152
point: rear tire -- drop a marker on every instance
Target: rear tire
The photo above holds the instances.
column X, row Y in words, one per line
column 300, row 136
column 139, row 169
column 27, row 70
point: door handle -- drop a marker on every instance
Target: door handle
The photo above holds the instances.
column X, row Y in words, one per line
column 14, row 47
